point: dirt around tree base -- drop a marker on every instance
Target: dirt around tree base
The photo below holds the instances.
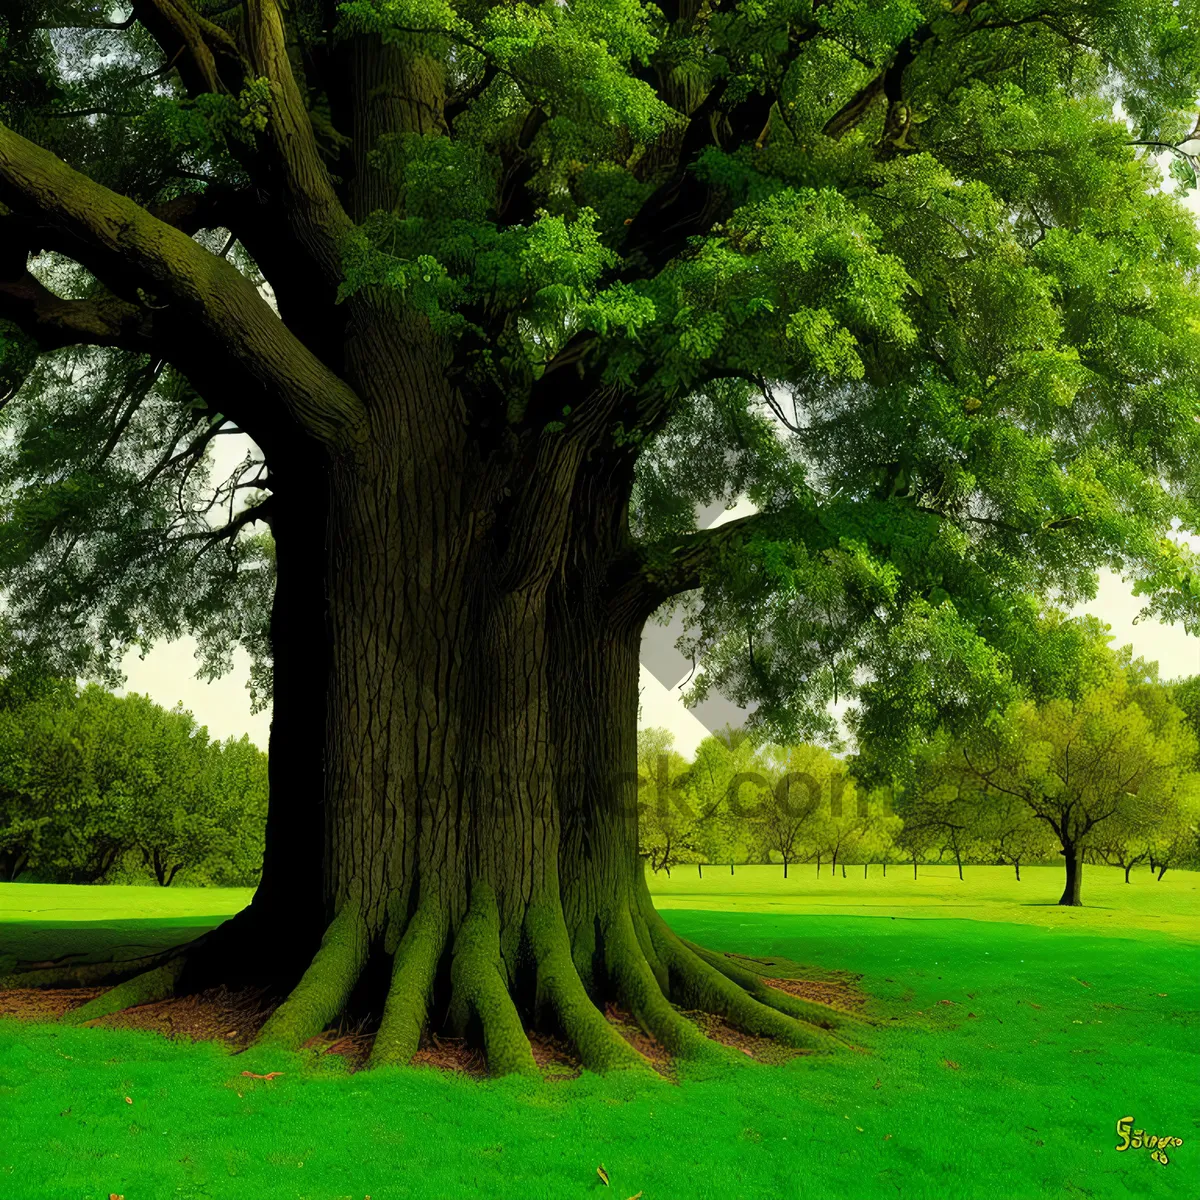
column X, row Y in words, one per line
column 234, row 1018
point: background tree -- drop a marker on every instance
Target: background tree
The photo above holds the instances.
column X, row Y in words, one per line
column 725, row 835
column 791, row 806
column 669, row 821
column 545, row 278
column 93, row 786
column 1010, row 834
column 1092, row 770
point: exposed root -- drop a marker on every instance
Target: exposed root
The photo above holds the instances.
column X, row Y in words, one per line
column 810, row 1011
column 407, row 1005
column 86, row 974
column 158, row 984
column 478, row 985
column 600, row 1046
column 641, row 991
column 325, row 987
column 698, row 984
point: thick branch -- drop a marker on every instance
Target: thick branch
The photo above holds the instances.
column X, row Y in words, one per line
column 648, row 576
column 53, row 322
column 209, row 319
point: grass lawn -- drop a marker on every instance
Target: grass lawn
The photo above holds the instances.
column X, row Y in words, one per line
column 1078, row 1019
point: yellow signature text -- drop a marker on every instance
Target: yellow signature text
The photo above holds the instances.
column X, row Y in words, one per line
column 1139, row 1139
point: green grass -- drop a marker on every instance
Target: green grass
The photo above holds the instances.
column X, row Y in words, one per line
column 1070, row 1033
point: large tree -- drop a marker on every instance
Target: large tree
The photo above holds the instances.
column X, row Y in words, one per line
column 500, row 292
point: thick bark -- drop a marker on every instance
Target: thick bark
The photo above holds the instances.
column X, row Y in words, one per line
column 1074, row 860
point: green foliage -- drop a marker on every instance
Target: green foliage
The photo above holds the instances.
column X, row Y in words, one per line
column 93, row 786
column 948, row 347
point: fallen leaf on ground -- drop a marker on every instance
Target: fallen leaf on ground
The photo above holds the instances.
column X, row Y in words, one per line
column 1163, row 994
column 945, row 1001
column 636, row 1196
column 603, row 1175
column 878, row 1084
column 970, row 1014
column 128, row 1100
column 114, row 1196
column 949, row 1062
column 1084, row 982
column 887, row 1137
column 1032, row 1005
column 268, row 1075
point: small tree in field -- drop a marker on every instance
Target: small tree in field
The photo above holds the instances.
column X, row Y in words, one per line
column 668, row 824
column 880, row 828
column 1094, row 771
column 792, row 811
column 722, row 833
column 1009, row 834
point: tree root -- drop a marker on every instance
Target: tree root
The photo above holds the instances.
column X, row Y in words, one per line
column 325, row 987
column 640, row 989
column 146, row 988
column 407, row 1005
column 813, row 1013
column 601, row 1048
column 700, row 985
column 478, row 985
column 87, row 974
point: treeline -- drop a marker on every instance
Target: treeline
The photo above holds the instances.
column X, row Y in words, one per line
column 1109, row 775
column 96, row 788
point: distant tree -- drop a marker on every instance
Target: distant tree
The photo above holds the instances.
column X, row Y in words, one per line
column 668, row 825
column 723, row 834
column 793, row 806
column 880, row 827
column 1097, row 771
column 1009, row 834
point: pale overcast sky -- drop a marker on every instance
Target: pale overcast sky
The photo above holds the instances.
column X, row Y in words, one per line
column 168, row 673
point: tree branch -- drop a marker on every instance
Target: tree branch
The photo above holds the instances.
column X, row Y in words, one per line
column 647, row 576
column 209, row 319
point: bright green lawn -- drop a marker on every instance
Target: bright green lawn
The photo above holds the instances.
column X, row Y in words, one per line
column 1070, row 1032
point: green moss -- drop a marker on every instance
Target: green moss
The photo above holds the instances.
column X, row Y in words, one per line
column 413, row 968
column 640, row 990
column 803, row 1010
column 600, row 1046
column 477, row 984
column 322, row 992
column 703, row 986
column 145, row 988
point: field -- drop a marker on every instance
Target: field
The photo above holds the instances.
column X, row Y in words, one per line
column 1013, row 1037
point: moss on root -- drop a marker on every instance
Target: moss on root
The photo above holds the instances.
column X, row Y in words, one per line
column 478, row 985
column 601, row 1048
column 325, row 987
column 146, row 988
column 407, row 1005
column 700, row 985
column 639, row 988
column 820, row 1015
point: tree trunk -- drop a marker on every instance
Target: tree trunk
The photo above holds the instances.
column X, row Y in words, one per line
column 731, row 868
column 452, row 830
column 700, row 870
column 1074, row 860
column 1162, row 871
column 843, row 870
column 818, row 866
column 885, row 868
column 914, row 866
column 1127, row 870
column 785, row 866
column 1017, row 868
column 864, row 870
